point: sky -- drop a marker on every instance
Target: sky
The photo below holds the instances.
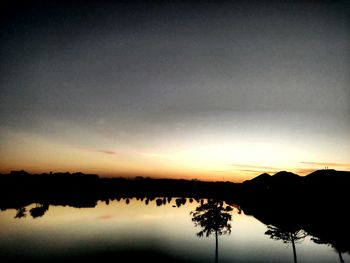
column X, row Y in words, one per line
column 212, row 90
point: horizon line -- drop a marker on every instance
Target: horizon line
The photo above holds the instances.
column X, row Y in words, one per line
column 142, row 177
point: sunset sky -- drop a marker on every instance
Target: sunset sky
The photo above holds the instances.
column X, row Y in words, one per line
column 212, row 90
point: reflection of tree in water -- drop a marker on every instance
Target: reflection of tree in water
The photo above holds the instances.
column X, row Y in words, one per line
column 213, row 217
column 338, row 246
column 21, row 212
column 37, row 211
column 180, row 201
column 287, row 236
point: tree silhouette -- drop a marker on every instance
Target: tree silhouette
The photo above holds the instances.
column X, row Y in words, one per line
column 180, row 201
column 336, row 244
column 159, row 202
column 21, row 212
column 213, row 217
column 290, row 236
column 39, row 210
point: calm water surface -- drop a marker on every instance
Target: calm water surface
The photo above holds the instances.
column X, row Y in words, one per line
column 130, row 228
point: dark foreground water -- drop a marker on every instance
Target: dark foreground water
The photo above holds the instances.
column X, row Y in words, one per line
column 131, row 230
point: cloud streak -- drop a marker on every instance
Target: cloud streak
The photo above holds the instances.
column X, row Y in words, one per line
column 326, row 164
column 251, row 171
column 109, row 152
column 248, row 167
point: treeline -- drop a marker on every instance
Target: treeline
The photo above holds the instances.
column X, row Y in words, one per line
column 84, row 190
column 322, row 187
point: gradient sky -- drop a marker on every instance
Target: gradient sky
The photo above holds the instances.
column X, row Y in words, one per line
column 212, row 90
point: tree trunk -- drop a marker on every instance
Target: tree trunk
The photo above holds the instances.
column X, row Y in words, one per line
column 340, row 257
column 216, row 247
column 294, row 250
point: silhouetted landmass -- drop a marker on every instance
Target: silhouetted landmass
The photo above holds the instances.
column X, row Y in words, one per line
column 20, row 189
column 315, row 204
column 289, row 204
column 322, row 186
column 260, row 179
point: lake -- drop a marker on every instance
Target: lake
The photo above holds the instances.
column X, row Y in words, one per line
column 160, row 230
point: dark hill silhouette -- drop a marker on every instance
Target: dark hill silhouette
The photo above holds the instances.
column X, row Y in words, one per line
column 323, row 173
column 328, row 177
column 280, row 177
column 322, row 186
column 285, row 175
column 268, row 187
column 286, row 180
column 260, row 179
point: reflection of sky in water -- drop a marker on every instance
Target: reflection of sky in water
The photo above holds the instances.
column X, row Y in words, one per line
column 136, row 226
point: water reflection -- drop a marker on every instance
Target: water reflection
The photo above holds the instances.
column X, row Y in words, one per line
column 288, row 236
column 330, row 237
column 174, row 221
column 323, row 226
column 37, row 211
column 213, row 217
column 21, row 212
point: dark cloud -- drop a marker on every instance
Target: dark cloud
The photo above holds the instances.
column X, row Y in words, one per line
column 84, row 59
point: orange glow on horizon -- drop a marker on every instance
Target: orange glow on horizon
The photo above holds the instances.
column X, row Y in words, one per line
column 237, row 176
column 207, row 160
